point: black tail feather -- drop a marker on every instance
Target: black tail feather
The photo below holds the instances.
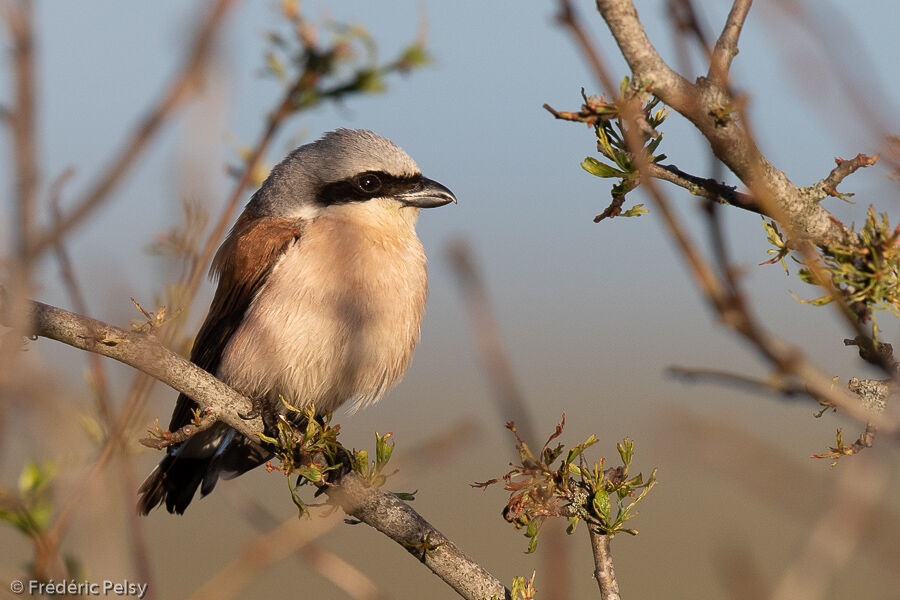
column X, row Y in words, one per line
column 176, row 479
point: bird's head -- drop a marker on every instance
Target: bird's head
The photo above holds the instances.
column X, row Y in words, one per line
column 348, row 172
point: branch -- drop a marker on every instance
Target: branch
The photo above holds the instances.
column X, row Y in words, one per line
column 22, row 120
column 394, row 518
column 489, row 342
column 726, row 46
column 161, row 439
column 373, row 506
column 873, row 393
column 776, row 385
column 604, row 572
column 566, row 17
column 685, row 23
column 643, row 59
column 185, row 84
column 844, row 168
column 712, row 108
column 705, row 188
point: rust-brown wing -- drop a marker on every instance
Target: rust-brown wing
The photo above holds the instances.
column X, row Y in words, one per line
column 242, row 264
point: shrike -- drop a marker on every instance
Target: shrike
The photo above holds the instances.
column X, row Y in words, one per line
column 322, row 286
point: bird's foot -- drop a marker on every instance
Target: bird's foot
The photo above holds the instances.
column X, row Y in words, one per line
column 255, row 410
column 260, row 409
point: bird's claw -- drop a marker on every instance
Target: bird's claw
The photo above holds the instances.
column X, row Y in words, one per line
column 254, row 412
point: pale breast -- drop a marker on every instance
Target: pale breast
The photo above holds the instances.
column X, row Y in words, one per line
column 337, row 319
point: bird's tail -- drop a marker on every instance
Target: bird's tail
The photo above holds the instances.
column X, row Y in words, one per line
column 174, row 481
column 185, row 468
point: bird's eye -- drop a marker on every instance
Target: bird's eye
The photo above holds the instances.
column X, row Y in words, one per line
column 369, row 183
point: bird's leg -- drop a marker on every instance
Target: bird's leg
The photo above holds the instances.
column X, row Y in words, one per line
column 260, row 408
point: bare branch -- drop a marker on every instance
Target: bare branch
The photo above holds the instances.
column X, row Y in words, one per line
column 604, row 572
column 159, row 439
column 186, row 84
column 490, row 343
column 734, row 312
column 22, row 119
column 777, row 385
column 394, row 518
column 726, row 46
column 274, row 122
column 705, row 188
column 714, row 111
column 646, row 64
column 373, row 506
column 144, row 352
column 567, row 18
column 685, row 23
column 844, row 168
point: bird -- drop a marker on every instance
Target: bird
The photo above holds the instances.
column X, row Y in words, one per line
column 321, row 290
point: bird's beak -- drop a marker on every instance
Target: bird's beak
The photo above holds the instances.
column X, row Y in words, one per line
column 427, row 194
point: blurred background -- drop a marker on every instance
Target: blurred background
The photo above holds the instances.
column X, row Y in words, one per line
column 591, row 314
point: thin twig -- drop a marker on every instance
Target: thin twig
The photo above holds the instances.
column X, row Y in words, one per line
column 735, row 313
column 137, row 528
column 583, row 116
column 490, row 344
column 686, row 28
column 568, row 19
column 726, row 46
column 184, row 85
column 19, row 20
column 307, row 551
column 842, row 170
column 777, row 385
column 684, row 19
column 98, row 381
column 160, row 440
column 703, row 187
column 821, row 23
